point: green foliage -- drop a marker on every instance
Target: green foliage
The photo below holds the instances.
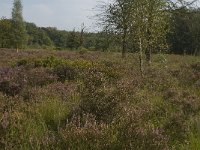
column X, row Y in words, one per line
column 183, row 23
column 184, row 35
column 5, row 34
column 72, row 41
column 52, row 112
column 19, row 36
column 37, row 37
column 65, row 72
column 82, row 50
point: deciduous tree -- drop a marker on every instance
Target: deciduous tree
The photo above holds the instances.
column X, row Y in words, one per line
column 19, row 37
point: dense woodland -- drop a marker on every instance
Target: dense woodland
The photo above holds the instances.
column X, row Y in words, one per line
column 52, row 38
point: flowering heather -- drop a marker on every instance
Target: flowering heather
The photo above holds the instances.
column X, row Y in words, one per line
column 92, row 100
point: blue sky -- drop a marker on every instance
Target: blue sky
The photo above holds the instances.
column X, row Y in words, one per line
column 63, row 14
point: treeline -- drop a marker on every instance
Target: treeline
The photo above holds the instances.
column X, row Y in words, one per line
column 151, row 26
column 52, row 38
column 18, row 34
column 183, row 36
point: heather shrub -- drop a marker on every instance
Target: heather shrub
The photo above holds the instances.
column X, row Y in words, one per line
column 188, row 75
column 11, row 89
column 12, row 81
column 66, row 92
column 4, row 119
column 104, row 104
column 82, row 50
column 133, row 130
column 89, row 135
column 63, row 68
column 184, row 106
column 128, row 88
column 68, row 100
column 26, row 129
column 183, row 101
column 98, row 97
column 40, row 77
column 65, row 72
column 25, row 63
column 99, row 76
column 35, row 94
column 22, row 62
column 93, row 79
column 177, row 128
column 142, row 138
column 112, row 74
column 196, row 66
column 159, row 80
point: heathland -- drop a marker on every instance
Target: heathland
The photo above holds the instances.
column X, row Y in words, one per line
column 97, row 100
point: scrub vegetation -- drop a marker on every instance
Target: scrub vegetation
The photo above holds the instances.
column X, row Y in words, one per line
column 97, row 100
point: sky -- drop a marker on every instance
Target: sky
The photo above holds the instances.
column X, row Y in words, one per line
column 62, row 14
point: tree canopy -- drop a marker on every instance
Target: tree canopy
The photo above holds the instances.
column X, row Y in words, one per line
column 18, row 27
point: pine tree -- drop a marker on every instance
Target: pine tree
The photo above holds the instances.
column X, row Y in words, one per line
column 18, row 26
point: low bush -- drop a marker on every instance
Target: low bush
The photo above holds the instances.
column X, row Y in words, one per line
column 65, row 72
column 12, row 81
column 40, row 77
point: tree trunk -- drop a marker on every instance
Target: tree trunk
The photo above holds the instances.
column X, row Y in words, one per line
column 196, row 52
column 81, row 38
column 141, row 59
column 148, row 49
column 148, row 55
column 149, row 36
column 17, row 49
column 124, row 48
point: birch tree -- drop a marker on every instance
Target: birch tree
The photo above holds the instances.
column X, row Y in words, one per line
column 116, row 17
column 150, row 26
